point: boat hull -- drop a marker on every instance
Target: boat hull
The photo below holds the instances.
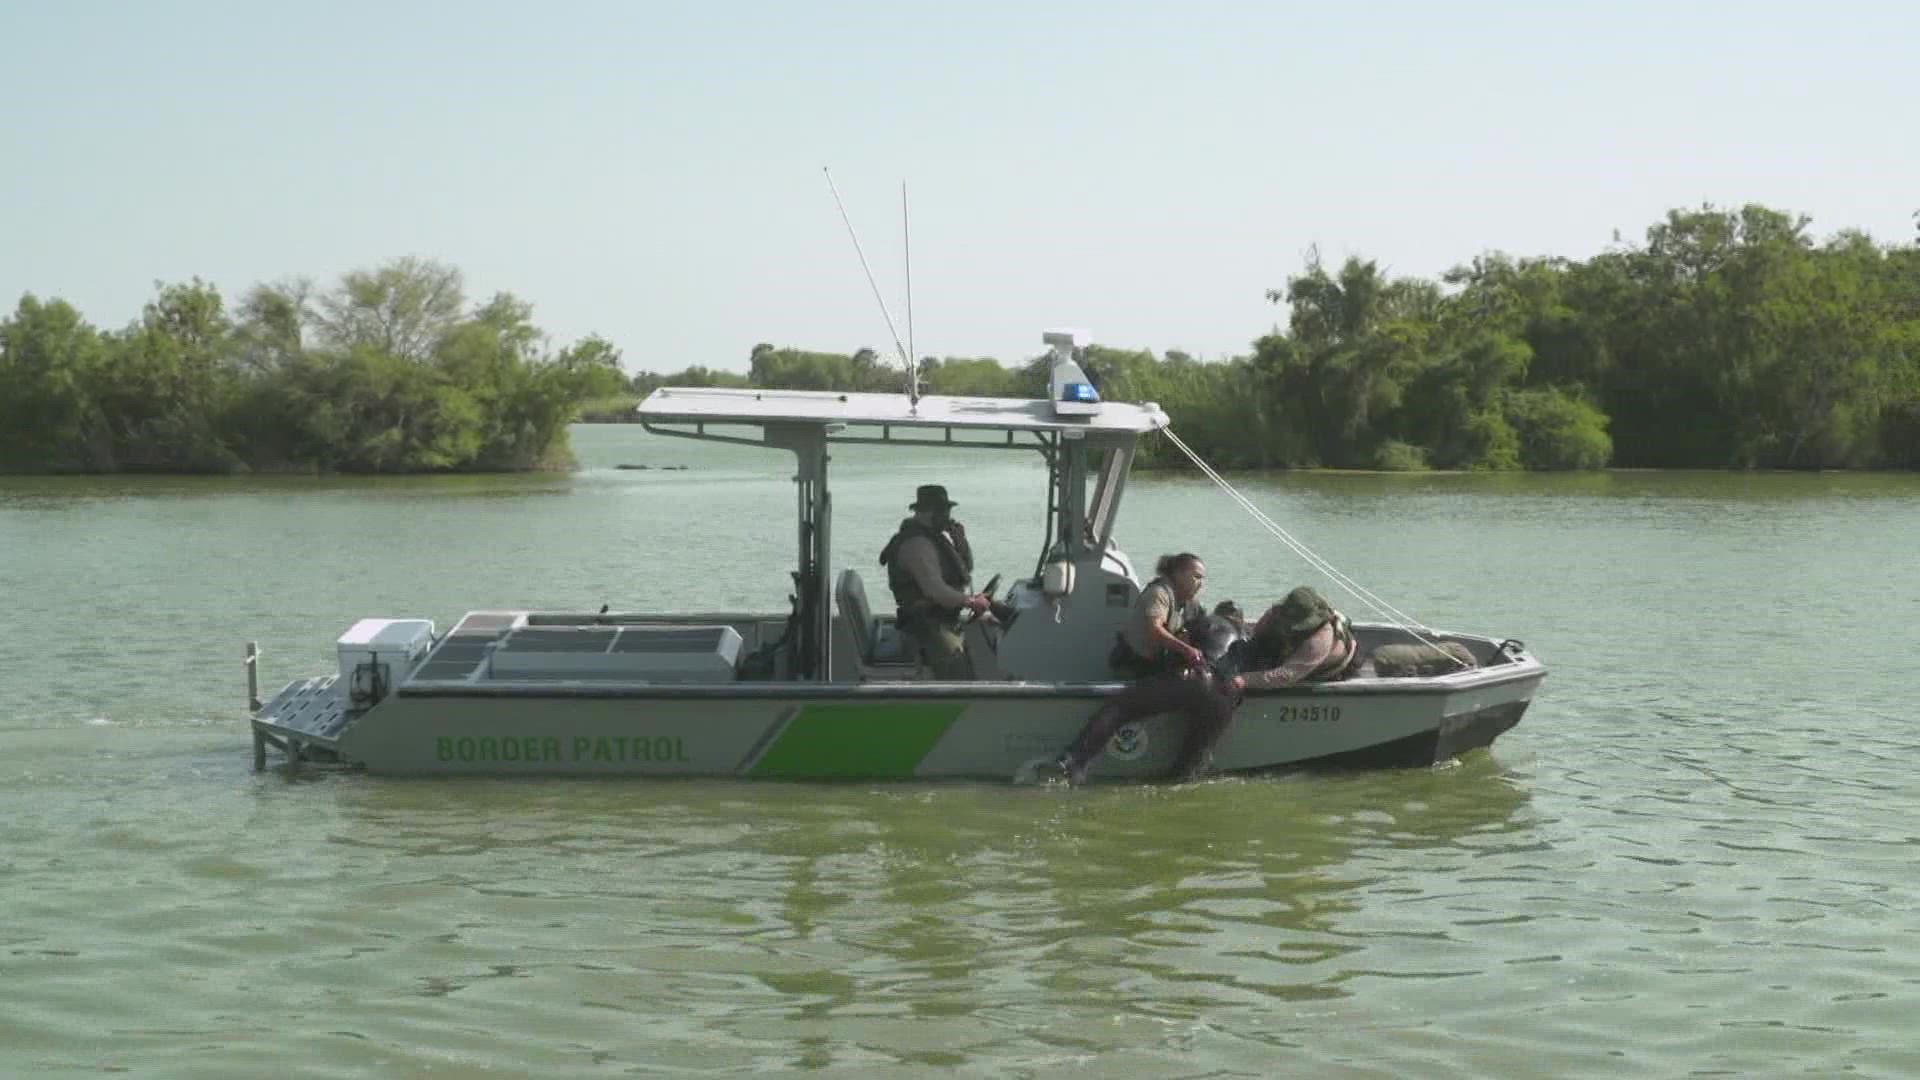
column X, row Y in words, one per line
column 882, row 731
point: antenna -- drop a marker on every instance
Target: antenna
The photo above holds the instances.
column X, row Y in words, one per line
column 906, row 243
column 912, row 389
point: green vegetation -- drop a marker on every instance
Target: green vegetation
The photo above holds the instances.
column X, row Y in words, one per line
column 1727, row 339
column 389, row 371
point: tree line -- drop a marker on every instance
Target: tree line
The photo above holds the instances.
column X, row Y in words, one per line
column 1726, row 339
column 390, row 370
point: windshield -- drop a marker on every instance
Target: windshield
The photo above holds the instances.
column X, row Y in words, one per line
column 1110, row 474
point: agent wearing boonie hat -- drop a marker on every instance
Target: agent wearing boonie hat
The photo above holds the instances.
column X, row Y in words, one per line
column 929, row 570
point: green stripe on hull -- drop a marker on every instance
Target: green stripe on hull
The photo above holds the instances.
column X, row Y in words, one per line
column 865, row 741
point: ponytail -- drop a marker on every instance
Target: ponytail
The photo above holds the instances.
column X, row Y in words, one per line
column 1169, row 564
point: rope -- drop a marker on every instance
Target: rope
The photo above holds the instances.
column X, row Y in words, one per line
column 1398, row 618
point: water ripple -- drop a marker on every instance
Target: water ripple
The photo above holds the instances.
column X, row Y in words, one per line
column 1694, row 857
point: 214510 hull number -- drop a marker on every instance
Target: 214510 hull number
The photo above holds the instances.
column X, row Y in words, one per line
column 1306, row 714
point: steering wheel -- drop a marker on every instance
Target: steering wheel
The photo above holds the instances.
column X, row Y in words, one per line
column 968, row 615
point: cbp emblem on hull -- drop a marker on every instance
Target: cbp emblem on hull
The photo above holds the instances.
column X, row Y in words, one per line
column 1128, row 743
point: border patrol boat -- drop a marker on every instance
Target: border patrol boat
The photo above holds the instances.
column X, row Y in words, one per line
column 829, row 690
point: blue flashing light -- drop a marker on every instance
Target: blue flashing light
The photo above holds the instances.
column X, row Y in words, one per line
column 1079, row 391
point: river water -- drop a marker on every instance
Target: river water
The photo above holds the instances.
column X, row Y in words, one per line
column 1695, row 856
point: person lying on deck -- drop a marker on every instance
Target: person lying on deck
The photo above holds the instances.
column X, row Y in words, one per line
column 1300, row 639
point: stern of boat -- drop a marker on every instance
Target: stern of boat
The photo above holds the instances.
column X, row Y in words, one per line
column 303, row 721
column 306, row 719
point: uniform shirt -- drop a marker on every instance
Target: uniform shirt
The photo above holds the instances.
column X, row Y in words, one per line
column 1156, row 604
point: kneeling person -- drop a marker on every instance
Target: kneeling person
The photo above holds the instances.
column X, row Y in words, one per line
column 1151, row 642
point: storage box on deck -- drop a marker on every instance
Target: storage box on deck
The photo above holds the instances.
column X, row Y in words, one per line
column 393, row 646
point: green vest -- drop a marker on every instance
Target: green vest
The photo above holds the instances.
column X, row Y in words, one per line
column 955, row 568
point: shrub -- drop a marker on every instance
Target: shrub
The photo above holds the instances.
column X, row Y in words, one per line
column 1558, row 431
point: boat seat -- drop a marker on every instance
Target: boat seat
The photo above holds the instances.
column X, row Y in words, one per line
column 878, row 642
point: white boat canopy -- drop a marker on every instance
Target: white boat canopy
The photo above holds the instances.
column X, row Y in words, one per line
column 720, row 405
column 1089, row 446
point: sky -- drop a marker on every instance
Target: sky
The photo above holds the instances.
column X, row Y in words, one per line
column 652, row 172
